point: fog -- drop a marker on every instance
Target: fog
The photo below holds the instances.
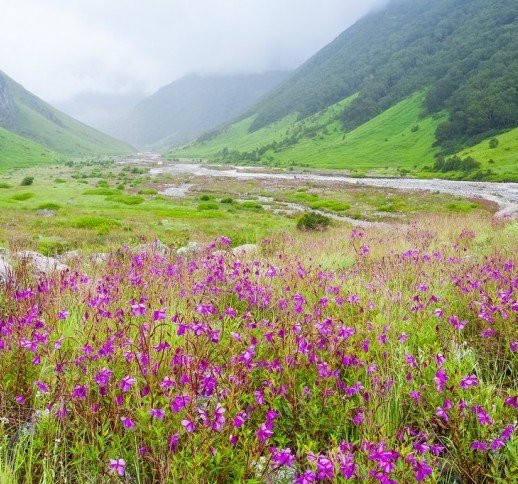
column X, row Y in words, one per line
column 116, row 51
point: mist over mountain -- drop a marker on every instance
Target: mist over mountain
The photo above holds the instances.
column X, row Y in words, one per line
column 190, row 106
column 405, row 85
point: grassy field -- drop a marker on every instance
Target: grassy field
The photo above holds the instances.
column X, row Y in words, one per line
column 101, row 205
column 376, row 355
column 18, row 152
column 398, row 141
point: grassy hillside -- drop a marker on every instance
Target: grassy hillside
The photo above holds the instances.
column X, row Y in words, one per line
column 398, row 141
column 502, row 158
column 463, row 52
column 18, row 152
column 191, row 106
column 32, row 118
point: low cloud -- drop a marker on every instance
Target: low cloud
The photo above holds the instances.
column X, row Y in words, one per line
column 62, row 48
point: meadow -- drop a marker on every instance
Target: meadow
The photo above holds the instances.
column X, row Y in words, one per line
column 385, row 354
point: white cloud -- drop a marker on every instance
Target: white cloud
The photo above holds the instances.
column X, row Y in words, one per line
column 60, row 48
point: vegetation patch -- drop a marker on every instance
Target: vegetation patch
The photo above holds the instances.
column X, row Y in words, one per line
column 21, row 197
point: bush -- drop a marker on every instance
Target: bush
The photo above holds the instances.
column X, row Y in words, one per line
column 126, row 199
column 27, row 181
column 251, row 206
column 92, row 222
column 208, row 206
column 21, row 197
column 227, row 200
column 493, row 143
column 49, row 206
column 313, row 221
column 205, row 198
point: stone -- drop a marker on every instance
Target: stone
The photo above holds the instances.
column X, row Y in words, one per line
column 246, row 249
column 45, row 213
column 99, row 258
column 6, row 271
column 190, row 248
column 156, row 247
column 41, row 263
column 69, row 256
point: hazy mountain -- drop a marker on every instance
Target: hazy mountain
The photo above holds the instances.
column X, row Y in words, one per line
column 99, row 109
column 28, row 116
column 190, row 106
column 448, row 67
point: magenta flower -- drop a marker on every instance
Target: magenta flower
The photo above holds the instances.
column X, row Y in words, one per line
column 138, row 309
column 325, row 469
column 240, row 419
column 42, row 386
column 263, row 433
column 79, row 392
column 306, row 478
column 127, row 423
column 282, row 457
column 478, row 445
column 157, row 413
column 188, row 425
column 457, row 323
column 102, row 378
column 117, row 466
column 173, row 442
column 126, row 383
column 468, row 381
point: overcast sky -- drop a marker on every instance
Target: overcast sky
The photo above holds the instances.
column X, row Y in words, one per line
column 60, row 48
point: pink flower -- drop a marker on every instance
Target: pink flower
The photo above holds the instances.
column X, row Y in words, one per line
column 325, row 469
column 157, row 413
column 188, row 425
column 126, row 383
column 117, row 466
column 42, row 386
column 468, row 381
column 127, row 423
column 263, row 433
column 138, row 309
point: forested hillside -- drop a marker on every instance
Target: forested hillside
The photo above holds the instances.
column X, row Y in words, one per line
column 448, row 67
column 190, row 106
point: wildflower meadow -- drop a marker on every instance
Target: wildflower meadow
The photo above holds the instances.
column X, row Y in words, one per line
column 376, row 355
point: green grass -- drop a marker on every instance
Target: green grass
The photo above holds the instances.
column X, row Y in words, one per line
column 504, row 156
column 399, row 141
column 18, row 152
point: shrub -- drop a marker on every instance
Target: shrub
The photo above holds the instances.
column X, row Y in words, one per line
column 5, row 185
column 313, row 221
column 227, row 200
column 126, row 199
column 208, row 206
column 205, row 198
column 102, row 191
column 493, row 143
column 250, row 205
column 93, row 222
column 21, row 197
column 27, row 181
column 49, row 206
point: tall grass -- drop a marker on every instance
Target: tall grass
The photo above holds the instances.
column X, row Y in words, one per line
column 289, row 366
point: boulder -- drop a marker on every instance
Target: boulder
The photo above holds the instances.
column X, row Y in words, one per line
column 6, row 271
column 246, row 249
column 70, row 256
column 156, row 247
column 190, row 248
column 99, row 258
column 45, row 213
column 41, row 263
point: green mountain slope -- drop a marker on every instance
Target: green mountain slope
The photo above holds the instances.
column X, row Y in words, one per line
column 28, row 116
column 418, row 81
column 18, row 152
column 188, row 107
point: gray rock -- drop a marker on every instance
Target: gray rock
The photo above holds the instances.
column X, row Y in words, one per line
column 41, row 263
column 156, row 247
column 45, row 213
column 70, row 256
column 190, row 248
column 6, row 271
column 99, row 258
column 246, row 249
